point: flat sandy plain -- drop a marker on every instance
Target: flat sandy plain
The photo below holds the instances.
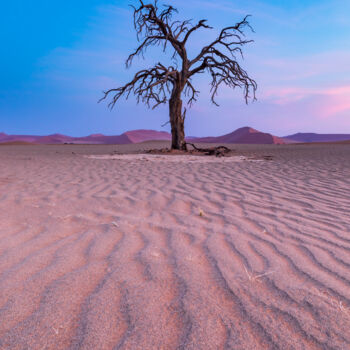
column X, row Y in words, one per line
column 140, row 254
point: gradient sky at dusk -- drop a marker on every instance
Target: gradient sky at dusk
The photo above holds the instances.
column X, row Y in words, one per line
column 56, row 57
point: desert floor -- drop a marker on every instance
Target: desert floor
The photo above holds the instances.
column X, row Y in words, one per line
column 174, row 254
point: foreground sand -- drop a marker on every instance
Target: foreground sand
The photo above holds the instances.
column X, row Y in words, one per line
column 136, row 254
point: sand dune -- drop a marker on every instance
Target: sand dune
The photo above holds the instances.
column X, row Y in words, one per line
column 313, row 137
column 133, row 136
column 244, row 135
column 127, row 254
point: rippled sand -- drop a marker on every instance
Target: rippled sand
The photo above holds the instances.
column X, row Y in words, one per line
column 132, row 254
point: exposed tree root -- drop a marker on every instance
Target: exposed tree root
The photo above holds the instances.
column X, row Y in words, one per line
column 219, row 151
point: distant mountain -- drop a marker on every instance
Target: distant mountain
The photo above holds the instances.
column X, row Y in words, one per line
column 53, row 139
column 137, row 136
column 243, row 135
column 100, row 139
column 12, row 138
column 9, row 143
column 134, row 136
column 313, row 137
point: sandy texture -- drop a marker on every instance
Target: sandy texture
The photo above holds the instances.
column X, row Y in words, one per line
column 129, row 254
column 179, row 159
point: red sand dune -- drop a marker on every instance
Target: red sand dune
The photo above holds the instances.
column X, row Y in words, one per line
column 244, row 135
column 10, row 138
column 16, row 143
column 313, row 137
column 134, row 136
column 54, row 139
column 137, row 136
column 103, row 139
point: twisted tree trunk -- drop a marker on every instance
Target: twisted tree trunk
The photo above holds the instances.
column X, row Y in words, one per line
column 177, row 120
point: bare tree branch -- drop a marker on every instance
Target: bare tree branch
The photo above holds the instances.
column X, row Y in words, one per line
column 150, row 22
column 219, row 60
column 200, row 24
column 149, row 86
column 234, row 32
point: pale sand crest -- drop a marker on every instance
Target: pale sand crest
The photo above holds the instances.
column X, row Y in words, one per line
column 129, row 254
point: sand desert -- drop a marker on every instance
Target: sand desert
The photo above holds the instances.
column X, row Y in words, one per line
column 167, row 253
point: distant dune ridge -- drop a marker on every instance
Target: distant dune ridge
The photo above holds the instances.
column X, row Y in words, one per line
column 61, row 139
column 313, row 137
column 245, row 135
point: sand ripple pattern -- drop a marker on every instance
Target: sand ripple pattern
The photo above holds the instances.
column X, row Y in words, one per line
column 127, row 254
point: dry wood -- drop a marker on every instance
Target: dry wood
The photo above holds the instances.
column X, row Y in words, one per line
column 219, row 151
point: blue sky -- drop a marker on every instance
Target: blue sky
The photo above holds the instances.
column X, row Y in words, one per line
column 57, row 56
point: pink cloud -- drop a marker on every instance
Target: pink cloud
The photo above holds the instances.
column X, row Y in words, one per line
column 334, row 105
column 330, row 101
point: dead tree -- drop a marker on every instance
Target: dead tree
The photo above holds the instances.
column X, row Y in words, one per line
column 168, row 84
